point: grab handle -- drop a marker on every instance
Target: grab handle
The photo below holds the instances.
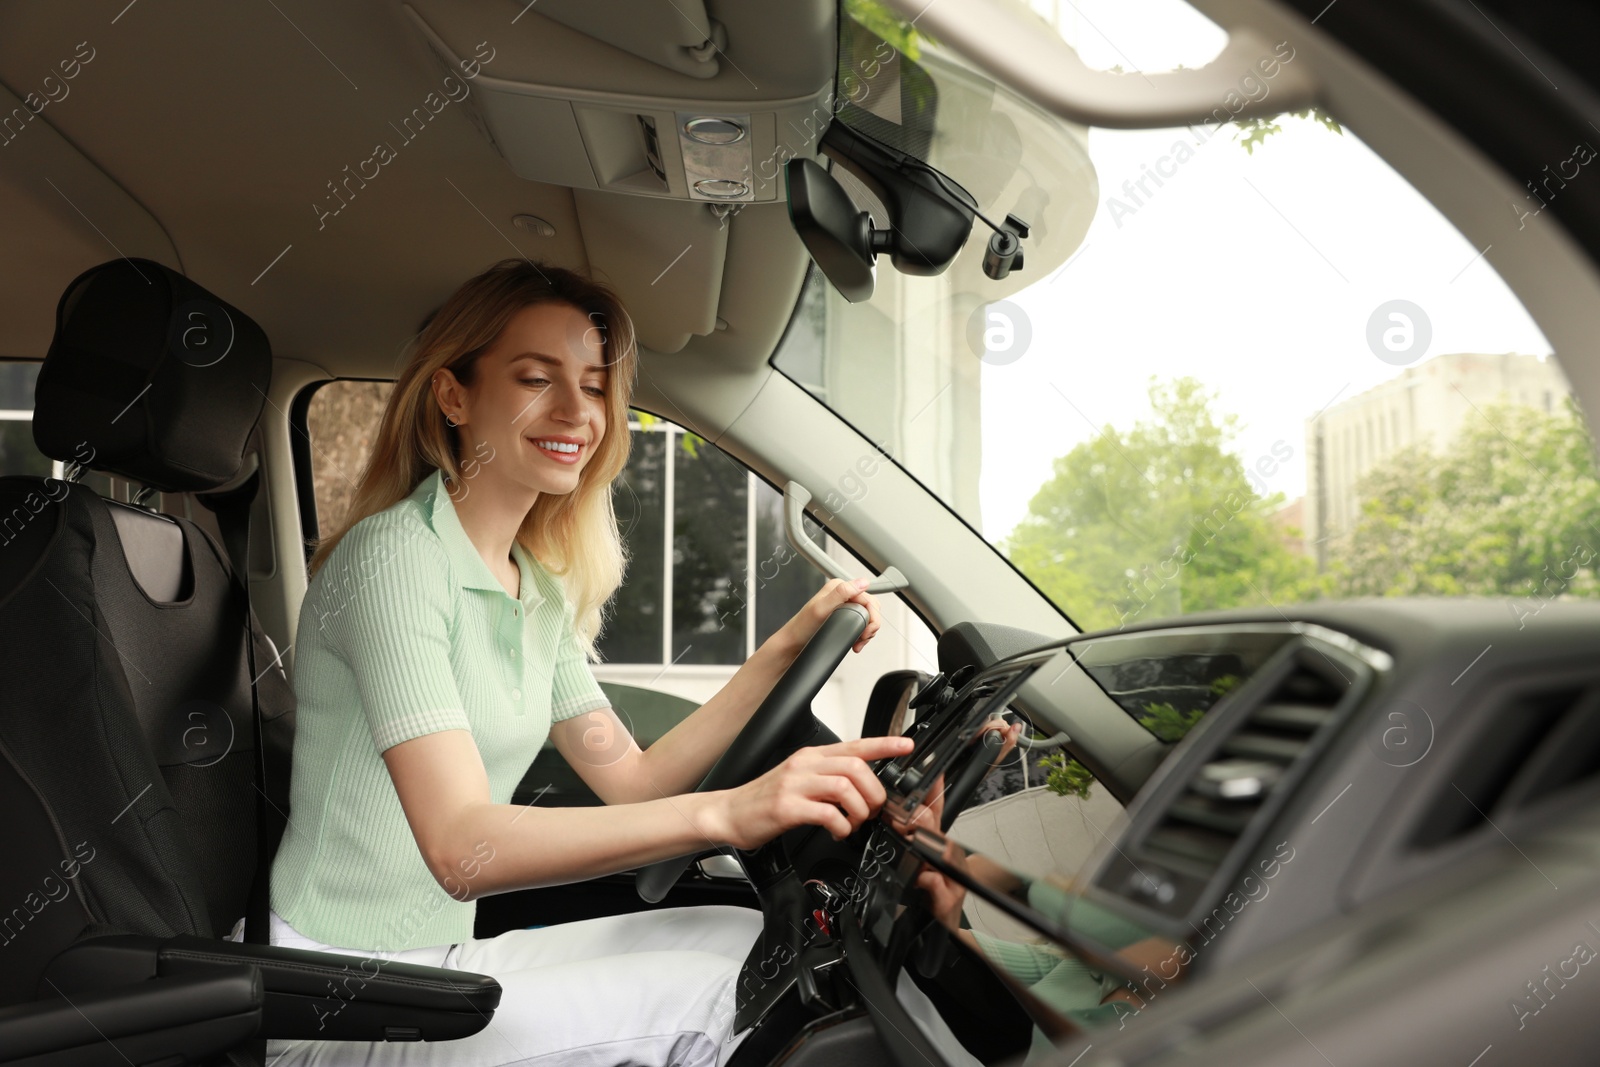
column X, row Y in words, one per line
column 795, row 499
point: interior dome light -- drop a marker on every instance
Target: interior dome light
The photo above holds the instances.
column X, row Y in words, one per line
column 714, row 131
column 726, row 188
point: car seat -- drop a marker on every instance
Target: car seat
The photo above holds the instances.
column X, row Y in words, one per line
column 147, row 723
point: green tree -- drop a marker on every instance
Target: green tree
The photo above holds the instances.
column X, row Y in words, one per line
column 889, row 25
column 1066, row 777
column 1160, row 520
column 1257, row 130
column 1513, row 509
column 1167, row 722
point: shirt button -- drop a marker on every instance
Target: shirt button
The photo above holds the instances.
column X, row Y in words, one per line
column 516, row 694
column 516, row 611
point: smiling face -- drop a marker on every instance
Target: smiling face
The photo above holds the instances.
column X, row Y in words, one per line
column 535, row 412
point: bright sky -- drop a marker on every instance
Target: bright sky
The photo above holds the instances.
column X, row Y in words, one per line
column 1255, row 273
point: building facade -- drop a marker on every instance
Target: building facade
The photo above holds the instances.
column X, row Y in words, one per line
column 1427, row 404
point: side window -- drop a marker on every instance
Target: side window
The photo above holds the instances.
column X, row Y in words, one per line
column 343, row 422
column 712, row 576
column 17, row 452
column 18, row 455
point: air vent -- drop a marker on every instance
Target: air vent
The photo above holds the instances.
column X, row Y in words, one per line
column 1191, row 841
column 1539, row 744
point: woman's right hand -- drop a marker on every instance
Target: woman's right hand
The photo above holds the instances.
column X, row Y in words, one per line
column 945, row 895
column 827, row 785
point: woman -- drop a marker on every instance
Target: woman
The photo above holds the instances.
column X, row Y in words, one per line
column 443, row 639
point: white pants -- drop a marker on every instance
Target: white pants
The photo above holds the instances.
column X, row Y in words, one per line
column 645, row 989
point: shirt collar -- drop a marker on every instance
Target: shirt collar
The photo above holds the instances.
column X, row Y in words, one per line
column 464, row 557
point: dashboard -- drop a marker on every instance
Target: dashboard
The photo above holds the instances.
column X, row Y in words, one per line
column 1315, row 761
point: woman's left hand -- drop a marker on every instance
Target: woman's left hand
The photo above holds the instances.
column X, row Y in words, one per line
column 834, row 594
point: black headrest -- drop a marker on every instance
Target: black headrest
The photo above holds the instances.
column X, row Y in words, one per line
column 152, row 378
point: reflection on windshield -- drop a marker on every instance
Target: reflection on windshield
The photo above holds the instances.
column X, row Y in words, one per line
column 1168, row 680
column 1076, row 966
column 1084, row 937
column 1189, row 684
column 1080, row 966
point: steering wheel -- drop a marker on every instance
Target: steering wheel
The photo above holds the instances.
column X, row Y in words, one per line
column 779, row 714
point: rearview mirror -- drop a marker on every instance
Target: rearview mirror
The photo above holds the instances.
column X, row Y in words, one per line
column 836, row 233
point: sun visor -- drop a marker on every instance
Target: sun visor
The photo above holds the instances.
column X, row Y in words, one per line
column 668, row 133
column 664, row 258
column 676, row 34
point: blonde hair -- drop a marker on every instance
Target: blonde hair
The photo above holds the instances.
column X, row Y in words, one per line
column 574, row 535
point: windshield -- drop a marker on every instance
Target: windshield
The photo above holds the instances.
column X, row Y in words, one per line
column 1244, row 364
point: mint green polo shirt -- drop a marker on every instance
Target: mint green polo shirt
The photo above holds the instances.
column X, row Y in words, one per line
column 404, row 631
column 1062, row 981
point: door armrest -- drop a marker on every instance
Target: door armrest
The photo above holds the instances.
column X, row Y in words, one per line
column 178, row 1019
column 324, row 996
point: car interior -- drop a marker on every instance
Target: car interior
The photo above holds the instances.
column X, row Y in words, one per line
column 1305, row 799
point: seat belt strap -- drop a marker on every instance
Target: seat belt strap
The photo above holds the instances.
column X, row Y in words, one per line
column 232, row 509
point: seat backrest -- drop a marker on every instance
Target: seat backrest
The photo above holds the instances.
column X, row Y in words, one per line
column 127, row 741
